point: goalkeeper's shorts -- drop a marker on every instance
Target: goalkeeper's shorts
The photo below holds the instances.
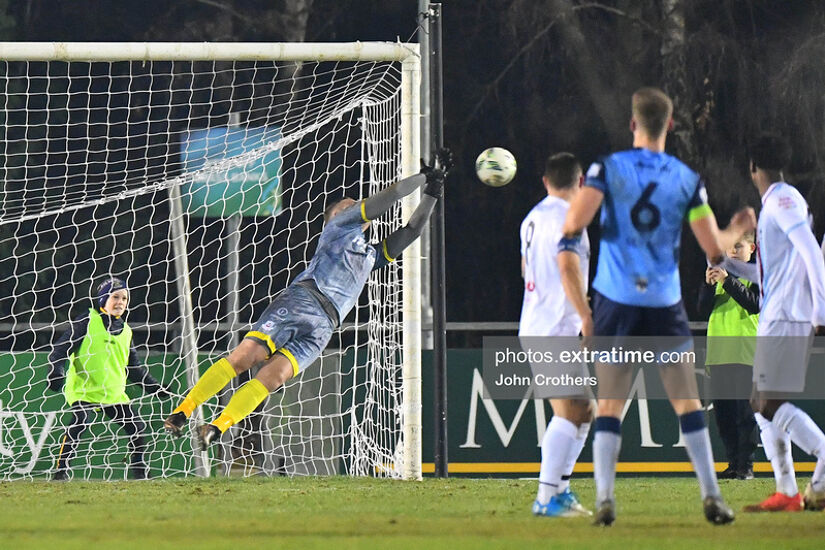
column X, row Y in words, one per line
column 294, row 325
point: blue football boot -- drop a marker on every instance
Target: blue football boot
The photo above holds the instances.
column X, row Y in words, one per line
column 563, row 505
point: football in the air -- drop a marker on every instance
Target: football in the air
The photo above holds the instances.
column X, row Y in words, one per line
column 496, row 166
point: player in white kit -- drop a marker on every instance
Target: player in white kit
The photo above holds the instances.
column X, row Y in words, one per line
column 555, row 283
column 792, row 279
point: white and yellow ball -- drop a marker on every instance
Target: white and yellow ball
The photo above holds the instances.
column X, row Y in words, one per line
column 496, row 166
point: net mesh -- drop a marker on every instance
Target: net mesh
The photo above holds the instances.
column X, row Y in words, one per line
column 91, row 152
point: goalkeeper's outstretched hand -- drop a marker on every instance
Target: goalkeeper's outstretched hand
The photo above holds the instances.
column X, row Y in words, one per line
column 441, row 165
column 444, row 160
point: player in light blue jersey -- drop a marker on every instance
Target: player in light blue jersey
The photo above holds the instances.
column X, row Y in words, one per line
column 646, row 195
column 298, row 324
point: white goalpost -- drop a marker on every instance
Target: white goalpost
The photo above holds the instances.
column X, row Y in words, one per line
column 199, row 173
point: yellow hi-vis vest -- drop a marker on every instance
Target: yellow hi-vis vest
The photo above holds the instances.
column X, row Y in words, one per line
column 97, row 371
column 731, row 331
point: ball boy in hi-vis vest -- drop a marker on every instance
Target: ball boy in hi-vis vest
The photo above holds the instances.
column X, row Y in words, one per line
column 734, row 305
column 91, row 363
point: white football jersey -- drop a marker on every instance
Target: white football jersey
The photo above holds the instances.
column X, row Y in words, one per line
column 546, row 310
column 786, row 290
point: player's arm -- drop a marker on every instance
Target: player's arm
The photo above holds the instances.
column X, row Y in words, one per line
column 742, row 221
column 806, row 246
column 713, row 241
column 572, row 280
column 374, row 206
column 746, row 296
column 586, row 203
column 391, row 248
column 68, row 343
column 582, row 210
column 738, row 268
column 702, row 222
column 706, row 232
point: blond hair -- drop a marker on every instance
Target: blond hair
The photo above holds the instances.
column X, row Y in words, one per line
column 652, row 110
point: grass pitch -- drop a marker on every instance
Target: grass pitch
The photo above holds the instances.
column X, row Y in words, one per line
column 369, row 513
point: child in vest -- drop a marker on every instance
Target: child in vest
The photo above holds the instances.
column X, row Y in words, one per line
column 731, row 345
column 101, row 356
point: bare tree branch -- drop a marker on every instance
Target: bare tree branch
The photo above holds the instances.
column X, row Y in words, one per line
column 228, row 9
column 564, row 9
column 675, row 78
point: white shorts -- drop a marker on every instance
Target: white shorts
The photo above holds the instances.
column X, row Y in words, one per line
column 783, row 349
column 558, row 380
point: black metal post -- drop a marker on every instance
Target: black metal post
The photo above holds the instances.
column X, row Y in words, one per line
column 437, row 252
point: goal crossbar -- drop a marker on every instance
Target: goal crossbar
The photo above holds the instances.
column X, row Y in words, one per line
column 206, row 51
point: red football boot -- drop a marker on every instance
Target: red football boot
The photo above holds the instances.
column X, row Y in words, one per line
column 777, row 502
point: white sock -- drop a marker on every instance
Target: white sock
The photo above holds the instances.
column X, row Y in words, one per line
column 559, row 437
column 607, row 442
column 573, row 455
column 697, row 442
column 777, row 445
column 807, row 435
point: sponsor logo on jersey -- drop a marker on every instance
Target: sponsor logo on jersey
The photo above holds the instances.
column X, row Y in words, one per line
column 786, row 202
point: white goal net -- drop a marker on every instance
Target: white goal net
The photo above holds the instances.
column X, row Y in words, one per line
column 199, row 174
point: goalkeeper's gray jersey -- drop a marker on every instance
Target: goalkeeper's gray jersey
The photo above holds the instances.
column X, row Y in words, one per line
column 343, row 260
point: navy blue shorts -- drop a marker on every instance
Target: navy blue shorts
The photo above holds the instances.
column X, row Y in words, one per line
column 295, row 326
column 614, row 319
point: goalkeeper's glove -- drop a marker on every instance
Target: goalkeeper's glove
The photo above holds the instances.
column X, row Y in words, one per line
column 435, row 174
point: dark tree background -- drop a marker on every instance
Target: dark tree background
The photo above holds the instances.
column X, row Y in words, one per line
column 536, row 77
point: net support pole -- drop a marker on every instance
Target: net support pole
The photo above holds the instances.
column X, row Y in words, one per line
column 189, row 340
column 437, row 253
column 233, row 266
column 233, row 263
column 233, row 243
column 411, row 265
column 426, row 279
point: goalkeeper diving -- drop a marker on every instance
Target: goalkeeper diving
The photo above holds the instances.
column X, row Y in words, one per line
column 298, row 324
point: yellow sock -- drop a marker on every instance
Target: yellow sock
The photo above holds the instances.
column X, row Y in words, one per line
column 245, row 400
column 213, row 380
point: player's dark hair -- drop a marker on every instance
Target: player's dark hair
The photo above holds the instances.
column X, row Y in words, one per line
column 770, row 152
column 562, row 170
column 652, row 110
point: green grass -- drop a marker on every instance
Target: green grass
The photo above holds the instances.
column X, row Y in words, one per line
column 369, row 513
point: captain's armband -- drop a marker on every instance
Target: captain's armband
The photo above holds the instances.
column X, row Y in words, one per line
column 699, row 212
column 570, row 244
column 698, row 207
